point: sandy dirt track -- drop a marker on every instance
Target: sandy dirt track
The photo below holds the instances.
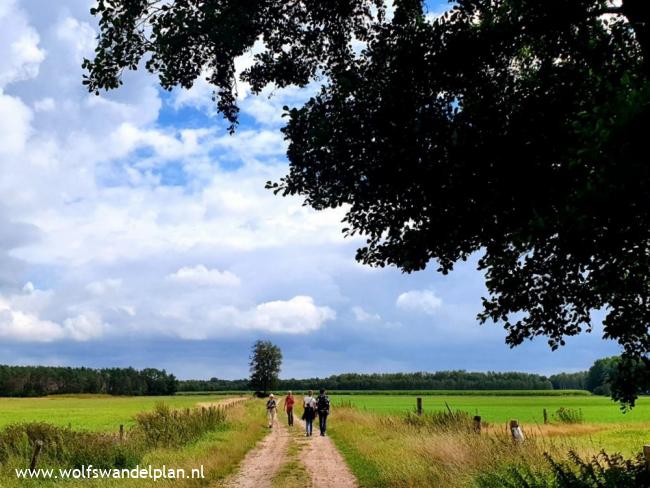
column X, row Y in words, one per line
column 263, row 462
column 324, row 462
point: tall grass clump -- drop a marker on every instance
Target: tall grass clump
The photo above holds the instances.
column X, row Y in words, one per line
column 167, row 427
column 569, row 415
column 63, row 447
column 443, row 420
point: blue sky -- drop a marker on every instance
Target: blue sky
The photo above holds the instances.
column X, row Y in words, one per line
column 135, row 231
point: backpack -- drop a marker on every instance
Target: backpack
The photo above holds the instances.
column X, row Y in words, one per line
column 323, row 403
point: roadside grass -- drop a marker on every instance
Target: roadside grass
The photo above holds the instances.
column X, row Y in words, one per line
column 99, row 413
column 390, row 451
column 219, row 452
column 500, row 409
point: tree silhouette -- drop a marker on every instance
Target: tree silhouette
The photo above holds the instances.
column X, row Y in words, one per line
column 515, row 129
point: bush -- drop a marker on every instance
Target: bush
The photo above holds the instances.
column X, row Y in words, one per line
column 569, row 415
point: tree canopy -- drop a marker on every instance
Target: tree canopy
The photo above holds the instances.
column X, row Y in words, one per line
column 510, row 128
column 265, row 363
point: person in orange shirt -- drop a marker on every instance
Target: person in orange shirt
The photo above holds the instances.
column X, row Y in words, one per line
column 288, row 407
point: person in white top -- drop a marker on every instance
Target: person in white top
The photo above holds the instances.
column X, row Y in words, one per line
column 309, row 403
column 271, row 410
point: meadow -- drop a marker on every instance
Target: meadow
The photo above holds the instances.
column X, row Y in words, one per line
column 100, row 413
column 218, row 449
column 370, row 429
column 500, row 409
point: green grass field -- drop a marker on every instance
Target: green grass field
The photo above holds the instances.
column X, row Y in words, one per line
column 499, row 409
column 87, row 412
column 105, row 413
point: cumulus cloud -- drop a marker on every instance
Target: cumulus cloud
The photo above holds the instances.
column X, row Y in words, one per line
column 20, row 54
column 422, row 301
column 84, row 327
column 20, row 326
column 202, row 276
column 25, row 326
column 300, row 315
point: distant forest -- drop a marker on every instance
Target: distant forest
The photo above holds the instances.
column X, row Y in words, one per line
column 443, row 380
column 23, row 381
column 27, row 381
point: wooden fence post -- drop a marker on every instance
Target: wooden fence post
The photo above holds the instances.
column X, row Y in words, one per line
column 121, row 432
column 477, row 424
column 38, row 445
column 515, row 430
column 545, row 417
column 646, row 453
column 419, row 404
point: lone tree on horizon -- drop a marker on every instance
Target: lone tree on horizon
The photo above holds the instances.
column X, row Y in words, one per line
column 265, row 363
column 512, row 129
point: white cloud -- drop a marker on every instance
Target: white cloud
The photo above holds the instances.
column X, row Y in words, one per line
column 84, row 327
column 296, row 316
column 25, row 326
column 22, row 327
column 423, row 301
column 362, row 316
column 202, row 276
column 20, row 54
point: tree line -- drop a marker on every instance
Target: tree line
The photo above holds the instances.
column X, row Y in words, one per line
column 441, row 380
column 26, row 381
column 601, row 377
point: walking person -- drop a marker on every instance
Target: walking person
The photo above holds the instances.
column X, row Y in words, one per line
column 309, row 403
column 288, row 407
column 323, row 405
column 271, row 410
